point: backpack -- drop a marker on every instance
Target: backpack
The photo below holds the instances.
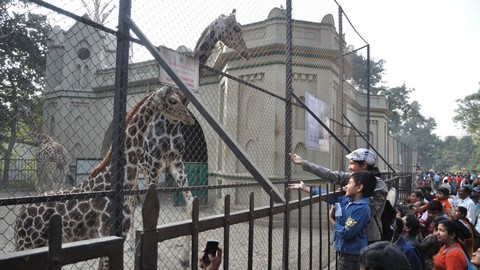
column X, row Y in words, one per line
column 388, row 221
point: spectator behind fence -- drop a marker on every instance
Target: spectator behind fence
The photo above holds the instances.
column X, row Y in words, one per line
column 427, row 193
column 416, row 196
column 213, row 263
column 411, row 232
column 419, row 208
column 350, row 228
column 434, row 209
column 469, row 242
column 413, row 255
column 465, row 201
column 402, row 210
column 382, row 255
column 442, row 197
column 359, row 160
column 452, row 254
column 476, row 258
column 430, row 244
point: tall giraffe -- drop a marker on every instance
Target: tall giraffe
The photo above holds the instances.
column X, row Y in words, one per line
column 89, row 218
column 50, row 155
column 164, row 144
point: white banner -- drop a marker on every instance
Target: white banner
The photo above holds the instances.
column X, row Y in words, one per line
column 316, row 137
column 185, row 66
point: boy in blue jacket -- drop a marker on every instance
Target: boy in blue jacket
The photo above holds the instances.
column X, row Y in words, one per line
column 350, row 229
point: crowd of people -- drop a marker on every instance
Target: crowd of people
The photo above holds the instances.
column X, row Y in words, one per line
column 444, row 224
column 435, row 227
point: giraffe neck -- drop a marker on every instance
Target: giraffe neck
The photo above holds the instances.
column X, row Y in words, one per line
column 100, row 177
column 170, row 131
column 210, row 36
column 135, row 135
column 40, row 137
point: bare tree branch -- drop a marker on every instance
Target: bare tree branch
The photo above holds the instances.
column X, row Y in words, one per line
column 100, row 11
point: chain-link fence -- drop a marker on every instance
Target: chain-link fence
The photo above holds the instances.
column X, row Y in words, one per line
column 65, row 101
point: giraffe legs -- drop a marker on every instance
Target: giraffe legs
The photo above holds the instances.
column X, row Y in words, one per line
column 177, row 170
column 130, row 236
column 151, row 175
column 51, row 176
column 44, row 179
column 66, row 176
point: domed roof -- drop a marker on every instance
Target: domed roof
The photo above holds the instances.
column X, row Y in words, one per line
column 277, row 13
column 328, row 19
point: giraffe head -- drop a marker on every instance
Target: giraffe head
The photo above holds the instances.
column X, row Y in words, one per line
column 174, row 105
column 232, row 36
column 25, row 111
column 225, row 29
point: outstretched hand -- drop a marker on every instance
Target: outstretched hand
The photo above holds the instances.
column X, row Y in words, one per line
column 300, row 186
column 296, row 159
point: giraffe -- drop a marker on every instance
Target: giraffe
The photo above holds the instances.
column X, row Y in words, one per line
column 164, row 144
column 50, row 155
column 90, row 218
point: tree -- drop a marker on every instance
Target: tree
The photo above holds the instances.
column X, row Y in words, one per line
column 468, row 114
column 406, row 123
column 359, row 73
column 22, row 54
column 410, row 127
column 397, row 98
column 416, row 132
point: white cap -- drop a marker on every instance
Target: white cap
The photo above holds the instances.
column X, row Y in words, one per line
column 363, row 155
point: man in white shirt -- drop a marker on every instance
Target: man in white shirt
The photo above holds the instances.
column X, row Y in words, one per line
column 465, row 201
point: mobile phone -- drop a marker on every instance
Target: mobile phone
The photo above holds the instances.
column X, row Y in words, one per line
column 211, row 249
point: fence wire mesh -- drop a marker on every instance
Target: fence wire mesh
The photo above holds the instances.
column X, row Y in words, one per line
column 58, row 88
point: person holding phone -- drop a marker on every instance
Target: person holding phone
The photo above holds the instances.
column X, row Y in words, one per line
column 211, row 258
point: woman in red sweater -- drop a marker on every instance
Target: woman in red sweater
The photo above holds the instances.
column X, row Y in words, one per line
column 451, row 255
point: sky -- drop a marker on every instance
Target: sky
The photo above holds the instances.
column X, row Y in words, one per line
column 432, row 46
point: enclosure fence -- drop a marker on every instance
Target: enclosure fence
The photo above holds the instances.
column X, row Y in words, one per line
column 258, row 81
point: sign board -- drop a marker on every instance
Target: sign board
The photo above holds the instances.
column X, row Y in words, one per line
column 185, row 66
column 316, row 137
